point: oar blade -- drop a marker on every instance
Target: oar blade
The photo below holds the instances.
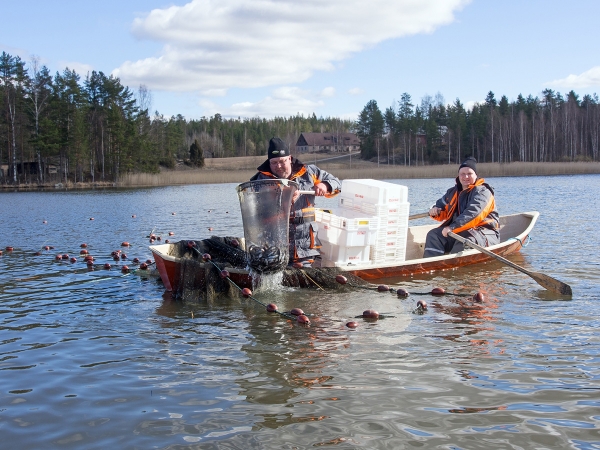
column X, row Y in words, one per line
column 551, row 284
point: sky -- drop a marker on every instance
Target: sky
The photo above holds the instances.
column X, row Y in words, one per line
column 278, row 58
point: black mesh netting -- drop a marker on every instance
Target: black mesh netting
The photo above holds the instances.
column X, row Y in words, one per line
column 198, row 279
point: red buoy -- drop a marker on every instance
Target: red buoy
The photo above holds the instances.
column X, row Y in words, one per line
column 158, row 238
column 73, row 259
column 37, row 253
column 45, row 222
column 47, row 247
column 438, row 291
column 172, row 213
column 171, row 233
column 0, row 252
column 341, row 279
column 210, row 229
column 107, row 266
column 478, row 297
column 297, row 312
column 125, row 269
column 167, row 241
column 9, row 249
column 89, row 262
column 136, row 260
column 422, row 304
column 297, row 265
column 117, row 257
column 370, row 314
column 65, row 256
column 91, row 218
column 123, row 256
column 402, row 293
column 88, row 258
column 191, row 244
column 133, row 215
column 84, row 245
column 148, row 261
column 57, row 257
column 234, row 243
column 383, row 288
column 272, row 307
column 303, row 319
column 144, row 266
column 352, row 324
column 83, row 252
column 206, row 257
column 224, row 273
column 125, row 244
column 246, row 292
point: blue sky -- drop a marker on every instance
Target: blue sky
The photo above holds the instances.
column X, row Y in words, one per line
column 265, row 58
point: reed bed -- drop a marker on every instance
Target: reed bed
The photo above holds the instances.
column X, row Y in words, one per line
column 238, row 172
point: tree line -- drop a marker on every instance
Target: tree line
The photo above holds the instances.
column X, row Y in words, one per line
column 552, row 128
column 65, row 128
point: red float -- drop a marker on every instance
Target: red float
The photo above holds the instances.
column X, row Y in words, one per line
column 171, row 233
column 125, row 244
column 438, row 291
column 45, row 222
column 136, row 260
column 47, row 247
column 352, row 324
column 341, row 279
column 246, row 292
column 73, row 259
column 206, row 257
column 297, row 265
column 84, row 245
column 57, row 257
column 191, row 244
column 37, row 253
column 133, row 216
column 65, row 256
column 297, row 312
column 107, row 266
column 401, row 293
column 89, row 262
column 422, row 304
column 88, row 258
column 303, row 319
column 172, row 213
column 370, row 314
column 123, row 256
column 479, row 297
column 272, row 307
column 144, row 266
column 148, row 261
column 224, row 273
column 210, row 229
column 167, row 241
column 83, row 252
column 125, row 269
column 117, row 257
column 9, row 249
column 383, row 288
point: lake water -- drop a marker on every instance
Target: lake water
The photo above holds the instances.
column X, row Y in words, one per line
column 98, row 359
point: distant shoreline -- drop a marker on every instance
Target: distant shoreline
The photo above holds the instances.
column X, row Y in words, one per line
column 236, row 171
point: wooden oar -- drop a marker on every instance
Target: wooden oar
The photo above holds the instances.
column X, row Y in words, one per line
column 543, row 280
column 418, row 216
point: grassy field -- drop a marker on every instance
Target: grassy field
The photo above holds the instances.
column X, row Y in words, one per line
column 240, row 169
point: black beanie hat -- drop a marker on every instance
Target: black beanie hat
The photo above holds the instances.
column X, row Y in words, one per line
column 469, row 162
column 277, row 148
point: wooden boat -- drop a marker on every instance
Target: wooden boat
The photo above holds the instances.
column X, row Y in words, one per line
column 181, row 265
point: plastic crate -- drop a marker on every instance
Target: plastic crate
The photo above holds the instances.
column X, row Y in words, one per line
column 375, row 191
column 374, row 210
column 387, row 255
column 348, row 220
column 340, row 254
column 349, row 238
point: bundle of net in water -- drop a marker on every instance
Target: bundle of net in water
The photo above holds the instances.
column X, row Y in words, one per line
column 198, row 279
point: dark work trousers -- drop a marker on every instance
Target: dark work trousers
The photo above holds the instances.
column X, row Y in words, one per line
column 437, row 245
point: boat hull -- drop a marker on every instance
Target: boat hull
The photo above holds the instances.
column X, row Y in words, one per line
column 515, row 230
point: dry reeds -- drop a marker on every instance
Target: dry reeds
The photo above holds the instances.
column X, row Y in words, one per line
column 241, row 170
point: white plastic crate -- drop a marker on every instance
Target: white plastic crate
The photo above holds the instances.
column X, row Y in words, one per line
column 349, row 238
column 389, row 233
column 374, row 210
column 340, row 254
column 349, row 220
column 387, row 255
column 375, row 191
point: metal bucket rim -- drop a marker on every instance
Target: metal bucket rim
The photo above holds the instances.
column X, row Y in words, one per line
column 266, row 182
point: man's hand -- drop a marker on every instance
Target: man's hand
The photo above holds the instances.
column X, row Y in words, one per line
column 434, row 211
column 321, row 189
column 445, row 231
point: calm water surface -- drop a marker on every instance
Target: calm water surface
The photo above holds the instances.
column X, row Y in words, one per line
column 97, row 359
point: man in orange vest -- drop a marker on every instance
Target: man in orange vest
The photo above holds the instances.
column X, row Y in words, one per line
column 467, row 209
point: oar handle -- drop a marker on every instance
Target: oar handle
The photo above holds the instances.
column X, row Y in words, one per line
column 306, row 192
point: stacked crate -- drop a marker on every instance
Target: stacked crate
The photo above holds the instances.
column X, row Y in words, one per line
column 346, row 236
column 389, row 203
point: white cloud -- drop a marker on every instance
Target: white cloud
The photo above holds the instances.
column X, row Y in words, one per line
column 328, row 92
column 283, row 102
column 589, row 78
column 81, row 69
column 355, row 91
column 216, row 45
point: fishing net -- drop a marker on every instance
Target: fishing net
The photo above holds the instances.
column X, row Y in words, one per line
column 198, row 279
